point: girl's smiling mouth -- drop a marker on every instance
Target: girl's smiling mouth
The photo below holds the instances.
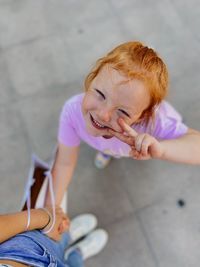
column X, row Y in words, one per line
column 97, row 125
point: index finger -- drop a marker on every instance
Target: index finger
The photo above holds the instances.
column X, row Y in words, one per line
column 130, row 131
column 126, row 139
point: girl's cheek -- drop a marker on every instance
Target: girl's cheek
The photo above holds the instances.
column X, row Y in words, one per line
column 88, row 102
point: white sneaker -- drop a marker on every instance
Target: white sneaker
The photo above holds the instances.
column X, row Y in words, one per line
column 102, row 160
column 91, row 245
column 81, row 226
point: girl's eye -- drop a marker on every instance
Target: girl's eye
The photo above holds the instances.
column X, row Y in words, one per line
column 124, row 112
column 100, row 93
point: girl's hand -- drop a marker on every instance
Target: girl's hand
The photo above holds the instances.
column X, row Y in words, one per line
column 143, row 146
column 62, row 223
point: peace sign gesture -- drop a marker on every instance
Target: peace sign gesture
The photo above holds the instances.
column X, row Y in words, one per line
column 143, row 146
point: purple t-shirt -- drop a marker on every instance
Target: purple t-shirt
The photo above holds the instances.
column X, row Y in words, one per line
column 72, row 129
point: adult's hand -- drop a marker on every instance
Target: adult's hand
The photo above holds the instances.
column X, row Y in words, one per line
column 61, row 225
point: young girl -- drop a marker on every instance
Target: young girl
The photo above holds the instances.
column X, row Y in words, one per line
column 123, row 114
column 21, row 246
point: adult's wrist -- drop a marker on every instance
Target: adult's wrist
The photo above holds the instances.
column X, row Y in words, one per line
column 39, row 218
column 49, row 220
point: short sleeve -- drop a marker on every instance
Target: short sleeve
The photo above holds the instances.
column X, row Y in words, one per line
column 67, row 133
column 168, row 123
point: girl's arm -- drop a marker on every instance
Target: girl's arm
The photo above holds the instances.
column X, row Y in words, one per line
column 15, row 223
column 62, row 171
column 185, row 149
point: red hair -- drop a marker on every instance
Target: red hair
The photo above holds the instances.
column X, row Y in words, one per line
column 137, row 61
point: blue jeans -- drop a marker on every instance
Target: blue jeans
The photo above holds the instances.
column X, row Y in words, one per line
column 35, row 249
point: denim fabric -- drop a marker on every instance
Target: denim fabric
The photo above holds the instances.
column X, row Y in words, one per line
column 35, row 249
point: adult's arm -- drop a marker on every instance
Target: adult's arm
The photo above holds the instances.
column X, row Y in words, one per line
column 16, row 223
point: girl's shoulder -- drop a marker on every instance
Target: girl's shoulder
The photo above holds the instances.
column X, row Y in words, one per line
column 165, row 124
column 166, row 110
column 168, row 122
column 73, row 104
column 75, row 99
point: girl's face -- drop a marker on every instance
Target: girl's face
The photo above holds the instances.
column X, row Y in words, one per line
column 112, row 96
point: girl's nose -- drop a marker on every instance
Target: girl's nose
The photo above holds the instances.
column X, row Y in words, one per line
column 105, row 115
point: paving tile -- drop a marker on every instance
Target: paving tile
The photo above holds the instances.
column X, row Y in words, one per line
column 37, row 65
column 11, row 148
column 14, row 165
column 11, row 122
column 186, row 11
column 126, row 247
column 192, row 114
column 118, row 5
column 63, row 16
column 173, row 231
column 6, row 92
column 149, row 24
column 41, row 120
column 147, row 182
column 21, row 21
column 156, row 27
column 185, row 93
column 93, row 41
column 12, row 186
